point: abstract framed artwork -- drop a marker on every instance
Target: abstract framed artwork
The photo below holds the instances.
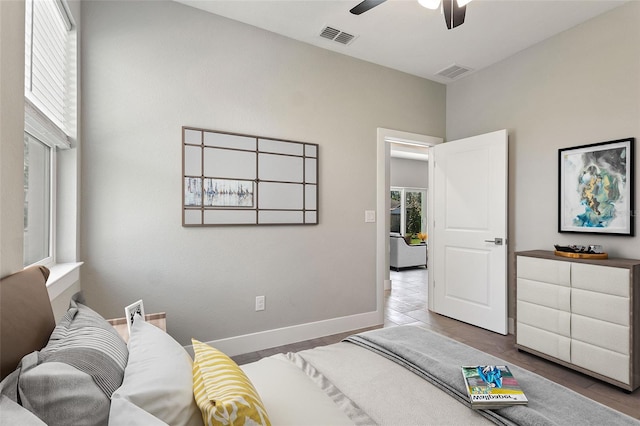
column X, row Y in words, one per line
column 228, row 193
column 595, row 188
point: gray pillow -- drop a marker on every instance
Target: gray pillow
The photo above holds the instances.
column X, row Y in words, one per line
column 71, row 380
column 60, row 394
column 86, row 341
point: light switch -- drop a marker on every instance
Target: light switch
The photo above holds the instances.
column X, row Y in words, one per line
column 369, row 216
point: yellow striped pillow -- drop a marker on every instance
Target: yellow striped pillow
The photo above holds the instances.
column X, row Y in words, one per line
column 223, row 392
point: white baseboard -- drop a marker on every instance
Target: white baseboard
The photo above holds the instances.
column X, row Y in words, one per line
column 297, row 333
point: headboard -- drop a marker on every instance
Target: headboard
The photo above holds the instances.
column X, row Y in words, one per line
column 26, row 316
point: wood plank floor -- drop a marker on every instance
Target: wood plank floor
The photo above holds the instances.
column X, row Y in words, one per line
column 405, row 304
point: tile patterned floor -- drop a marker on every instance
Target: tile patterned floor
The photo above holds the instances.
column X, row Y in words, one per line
column 405, row 304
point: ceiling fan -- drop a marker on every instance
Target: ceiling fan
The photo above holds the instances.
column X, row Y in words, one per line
column 454, row 10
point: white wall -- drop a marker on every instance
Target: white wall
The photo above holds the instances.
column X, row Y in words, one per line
column 580, row 87
column 409, row 173
column 150, row 68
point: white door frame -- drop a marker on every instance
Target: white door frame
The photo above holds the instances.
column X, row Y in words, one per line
column 383, row 186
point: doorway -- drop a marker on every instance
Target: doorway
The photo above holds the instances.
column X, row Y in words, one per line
column 385, row 138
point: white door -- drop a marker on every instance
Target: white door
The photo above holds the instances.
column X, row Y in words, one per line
column 468, row 233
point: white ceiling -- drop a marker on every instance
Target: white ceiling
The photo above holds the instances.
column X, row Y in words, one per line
column 402, row 35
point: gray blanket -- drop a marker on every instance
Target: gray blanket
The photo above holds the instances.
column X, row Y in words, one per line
column 438, row 359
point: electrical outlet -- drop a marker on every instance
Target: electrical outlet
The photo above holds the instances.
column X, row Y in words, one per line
column 260, row 305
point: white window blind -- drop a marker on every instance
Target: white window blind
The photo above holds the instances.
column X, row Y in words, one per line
column 49, row 77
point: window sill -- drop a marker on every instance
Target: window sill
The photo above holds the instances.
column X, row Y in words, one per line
column 62, row 277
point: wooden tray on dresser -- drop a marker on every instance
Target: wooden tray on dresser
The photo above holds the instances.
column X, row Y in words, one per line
column 581, row 255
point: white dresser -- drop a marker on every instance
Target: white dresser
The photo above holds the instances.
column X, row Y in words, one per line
column 583, row 314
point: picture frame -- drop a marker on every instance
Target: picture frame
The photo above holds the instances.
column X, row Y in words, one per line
column 131, row 311
column 596, row 188
column 228, row 193
column 233, row 179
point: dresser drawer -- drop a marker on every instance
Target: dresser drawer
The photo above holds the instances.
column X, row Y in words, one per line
column 604, row 307
column 551, row 320
column 543, row 341
column 602, row 279
column 548, row 271
column 549, row 295
column 600, row 360
column 600, row 333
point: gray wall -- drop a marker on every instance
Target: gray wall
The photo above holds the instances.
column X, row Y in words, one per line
column 11, row 136
column 407, row 173
column 12, row 158
column 580, row 87
column 150, row 68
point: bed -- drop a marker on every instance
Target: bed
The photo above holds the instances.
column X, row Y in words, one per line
column 81, row 372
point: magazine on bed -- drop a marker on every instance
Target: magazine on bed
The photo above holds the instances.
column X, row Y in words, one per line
column 492, row 386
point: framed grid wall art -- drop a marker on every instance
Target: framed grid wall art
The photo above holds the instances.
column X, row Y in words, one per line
column 236, row 179
column 596, row 188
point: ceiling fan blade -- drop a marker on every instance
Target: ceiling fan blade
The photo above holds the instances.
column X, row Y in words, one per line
column 453, row 14
column 365, row 5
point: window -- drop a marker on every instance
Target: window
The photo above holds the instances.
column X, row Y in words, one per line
column 413, row 211
column 396, row 211
column 37, row 201
column 408, row 210
column 50, row 118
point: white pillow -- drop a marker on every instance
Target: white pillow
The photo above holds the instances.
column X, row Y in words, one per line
column 158, row 379
column 290, row 396
column 13, row 414
column 124, row 412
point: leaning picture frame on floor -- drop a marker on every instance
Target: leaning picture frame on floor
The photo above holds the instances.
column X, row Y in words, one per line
column 596, row 188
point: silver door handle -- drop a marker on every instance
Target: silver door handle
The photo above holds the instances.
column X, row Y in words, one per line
column 496, row 241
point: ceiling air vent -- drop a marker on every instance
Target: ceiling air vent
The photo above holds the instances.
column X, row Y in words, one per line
column 453, row 71
column 337, row 35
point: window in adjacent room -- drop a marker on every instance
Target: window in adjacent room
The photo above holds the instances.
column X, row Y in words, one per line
column 408, row 210
column 50, row 118
column 396, row 211
column 414, row 212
